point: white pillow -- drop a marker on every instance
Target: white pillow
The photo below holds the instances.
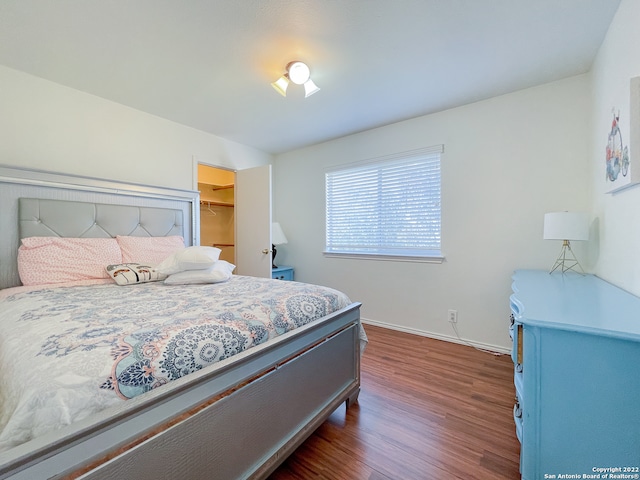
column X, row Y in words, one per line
column 219, row 272
column 190, row 258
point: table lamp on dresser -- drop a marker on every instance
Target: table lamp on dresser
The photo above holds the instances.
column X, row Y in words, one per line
column 277, row 238
column 566, row 226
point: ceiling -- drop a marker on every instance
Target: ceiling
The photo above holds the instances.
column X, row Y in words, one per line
column 209, row 63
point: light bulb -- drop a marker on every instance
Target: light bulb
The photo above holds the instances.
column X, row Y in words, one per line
column 298, row 72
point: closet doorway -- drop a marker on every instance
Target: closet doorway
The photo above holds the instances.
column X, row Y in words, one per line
column 217, row 210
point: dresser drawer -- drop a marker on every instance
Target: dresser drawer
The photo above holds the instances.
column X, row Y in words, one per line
column 517, row 418
column 515, row 331
column 282, row 273
column 519, row 405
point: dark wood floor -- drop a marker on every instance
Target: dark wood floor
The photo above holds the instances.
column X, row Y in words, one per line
column 428, row 409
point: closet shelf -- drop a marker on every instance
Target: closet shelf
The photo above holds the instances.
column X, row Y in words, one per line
column 209, row 186
column 207, row 203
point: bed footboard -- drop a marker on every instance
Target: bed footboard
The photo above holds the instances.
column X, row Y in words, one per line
column 242, row 431
column 248, row 433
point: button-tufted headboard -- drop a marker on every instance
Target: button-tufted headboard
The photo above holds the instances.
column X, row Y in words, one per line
column 60, row 218
column 38, row 203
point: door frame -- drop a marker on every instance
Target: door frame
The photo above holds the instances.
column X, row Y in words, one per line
column 195, row 161
column 243, row 263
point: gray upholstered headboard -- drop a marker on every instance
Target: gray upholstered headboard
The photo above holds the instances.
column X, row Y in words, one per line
column 36, row 203
column 39, row 217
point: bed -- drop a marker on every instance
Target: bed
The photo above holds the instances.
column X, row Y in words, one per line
column 275, row 358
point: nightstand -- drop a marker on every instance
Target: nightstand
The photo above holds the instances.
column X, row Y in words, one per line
column 282, row 273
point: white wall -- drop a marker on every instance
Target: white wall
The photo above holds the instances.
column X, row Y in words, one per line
column 46, row 126
column 507, row 161
column 617, row 250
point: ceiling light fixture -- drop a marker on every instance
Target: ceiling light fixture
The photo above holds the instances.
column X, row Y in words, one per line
column 298, row 73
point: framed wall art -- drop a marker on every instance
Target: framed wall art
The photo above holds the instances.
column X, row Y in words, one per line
column 622, row 160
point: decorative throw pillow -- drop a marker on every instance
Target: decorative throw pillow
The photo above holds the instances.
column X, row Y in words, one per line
column 132, row 273
column 149, row 250
column 219, row 272
column 45, row 260
column 190, row 258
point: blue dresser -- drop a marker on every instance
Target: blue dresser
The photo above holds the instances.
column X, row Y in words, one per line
column 576, row 351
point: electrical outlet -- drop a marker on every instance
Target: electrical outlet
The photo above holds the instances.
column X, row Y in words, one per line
column 453, row 316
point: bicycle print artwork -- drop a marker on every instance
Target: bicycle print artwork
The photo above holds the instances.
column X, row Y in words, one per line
column 622, row 159
column 617, row 152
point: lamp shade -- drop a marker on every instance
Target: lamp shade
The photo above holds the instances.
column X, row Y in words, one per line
column 310, row 88
column 298, row 72
column 566, row 226
column 277, row 235
column 281, row 85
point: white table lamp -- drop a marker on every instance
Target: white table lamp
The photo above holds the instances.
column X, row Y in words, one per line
column 277, row 238
column 566, row 226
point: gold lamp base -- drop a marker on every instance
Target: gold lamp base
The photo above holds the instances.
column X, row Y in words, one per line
column 567, row 260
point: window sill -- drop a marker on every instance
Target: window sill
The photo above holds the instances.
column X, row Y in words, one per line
column 390, row 258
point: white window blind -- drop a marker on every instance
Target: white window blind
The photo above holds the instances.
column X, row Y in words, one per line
column 387, row 207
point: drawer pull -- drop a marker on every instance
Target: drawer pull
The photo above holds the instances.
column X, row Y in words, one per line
column 517, row 411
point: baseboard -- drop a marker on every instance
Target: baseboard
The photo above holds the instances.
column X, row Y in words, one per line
column 438, row 336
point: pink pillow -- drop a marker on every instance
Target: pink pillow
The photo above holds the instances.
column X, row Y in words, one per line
column 148, row 250
column 44, row 260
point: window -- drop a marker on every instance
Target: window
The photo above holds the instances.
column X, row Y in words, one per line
column 388, row 207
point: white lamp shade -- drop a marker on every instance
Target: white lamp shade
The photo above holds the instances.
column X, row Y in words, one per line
column 281, row 85
column 310, row 88
column 298, row 72
column 277, row 235
column 566, row 226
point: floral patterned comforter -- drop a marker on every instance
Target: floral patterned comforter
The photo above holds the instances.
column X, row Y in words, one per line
column 69, row 351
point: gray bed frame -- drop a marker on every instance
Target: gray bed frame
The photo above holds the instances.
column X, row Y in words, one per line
column 239, row 418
